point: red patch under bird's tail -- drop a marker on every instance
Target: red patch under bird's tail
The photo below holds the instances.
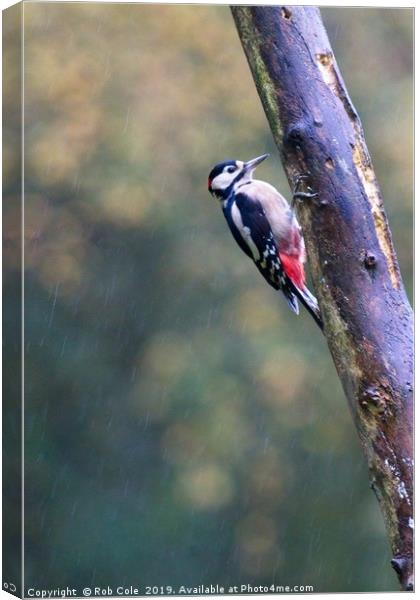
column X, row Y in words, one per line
column 293, row 267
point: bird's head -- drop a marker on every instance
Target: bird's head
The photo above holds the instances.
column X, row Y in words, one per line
column 229, row 174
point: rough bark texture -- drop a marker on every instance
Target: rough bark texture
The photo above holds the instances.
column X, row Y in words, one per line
column 368, row 320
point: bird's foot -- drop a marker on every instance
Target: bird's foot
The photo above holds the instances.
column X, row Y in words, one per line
column 300, row 196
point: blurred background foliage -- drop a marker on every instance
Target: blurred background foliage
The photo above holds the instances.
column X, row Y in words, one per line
column 182, row 426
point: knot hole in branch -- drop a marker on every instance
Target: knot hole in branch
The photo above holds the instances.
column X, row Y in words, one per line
column 369, row 260
column 296, row 135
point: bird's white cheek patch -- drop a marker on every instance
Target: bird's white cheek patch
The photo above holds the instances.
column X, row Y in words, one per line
column 244, row 231
column 223, row 181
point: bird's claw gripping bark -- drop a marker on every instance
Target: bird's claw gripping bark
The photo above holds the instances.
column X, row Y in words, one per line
column 299, row 195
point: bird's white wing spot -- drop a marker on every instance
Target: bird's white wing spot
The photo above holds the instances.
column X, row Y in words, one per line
column 244, row 231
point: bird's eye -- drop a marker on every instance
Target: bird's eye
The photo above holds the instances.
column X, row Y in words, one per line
column 231, row 169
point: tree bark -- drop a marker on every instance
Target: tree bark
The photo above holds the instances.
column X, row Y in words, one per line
column 367, row 317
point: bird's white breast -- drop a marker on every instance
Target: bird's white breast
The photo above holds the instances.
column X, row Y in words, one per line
column 277, row 210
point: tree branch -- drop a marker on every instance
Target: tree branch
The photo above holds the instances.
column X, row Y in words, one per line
column 368, row 320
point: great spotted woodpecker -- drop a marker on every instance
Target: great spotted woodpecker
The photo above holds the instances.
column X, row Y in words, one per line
column 265, row 227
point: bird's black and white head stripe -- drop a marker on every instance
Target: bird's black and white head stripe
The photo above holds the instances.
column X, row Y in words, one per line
column 223, row 175
column 229, row 174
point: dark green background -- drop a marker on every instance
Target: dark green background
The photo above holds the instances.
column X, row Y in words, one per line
column 182, row 425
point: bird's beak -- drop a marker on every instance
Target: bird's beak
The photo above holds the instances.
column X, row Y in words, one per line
column 251, row 164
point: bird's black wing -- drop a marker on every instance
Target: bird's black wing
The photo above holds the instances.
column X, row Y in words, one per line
column 260, row 239
column 251, row 229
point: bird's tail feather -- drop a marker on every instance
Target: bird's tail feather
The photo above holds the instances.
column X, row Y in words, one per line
column 309, row 302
